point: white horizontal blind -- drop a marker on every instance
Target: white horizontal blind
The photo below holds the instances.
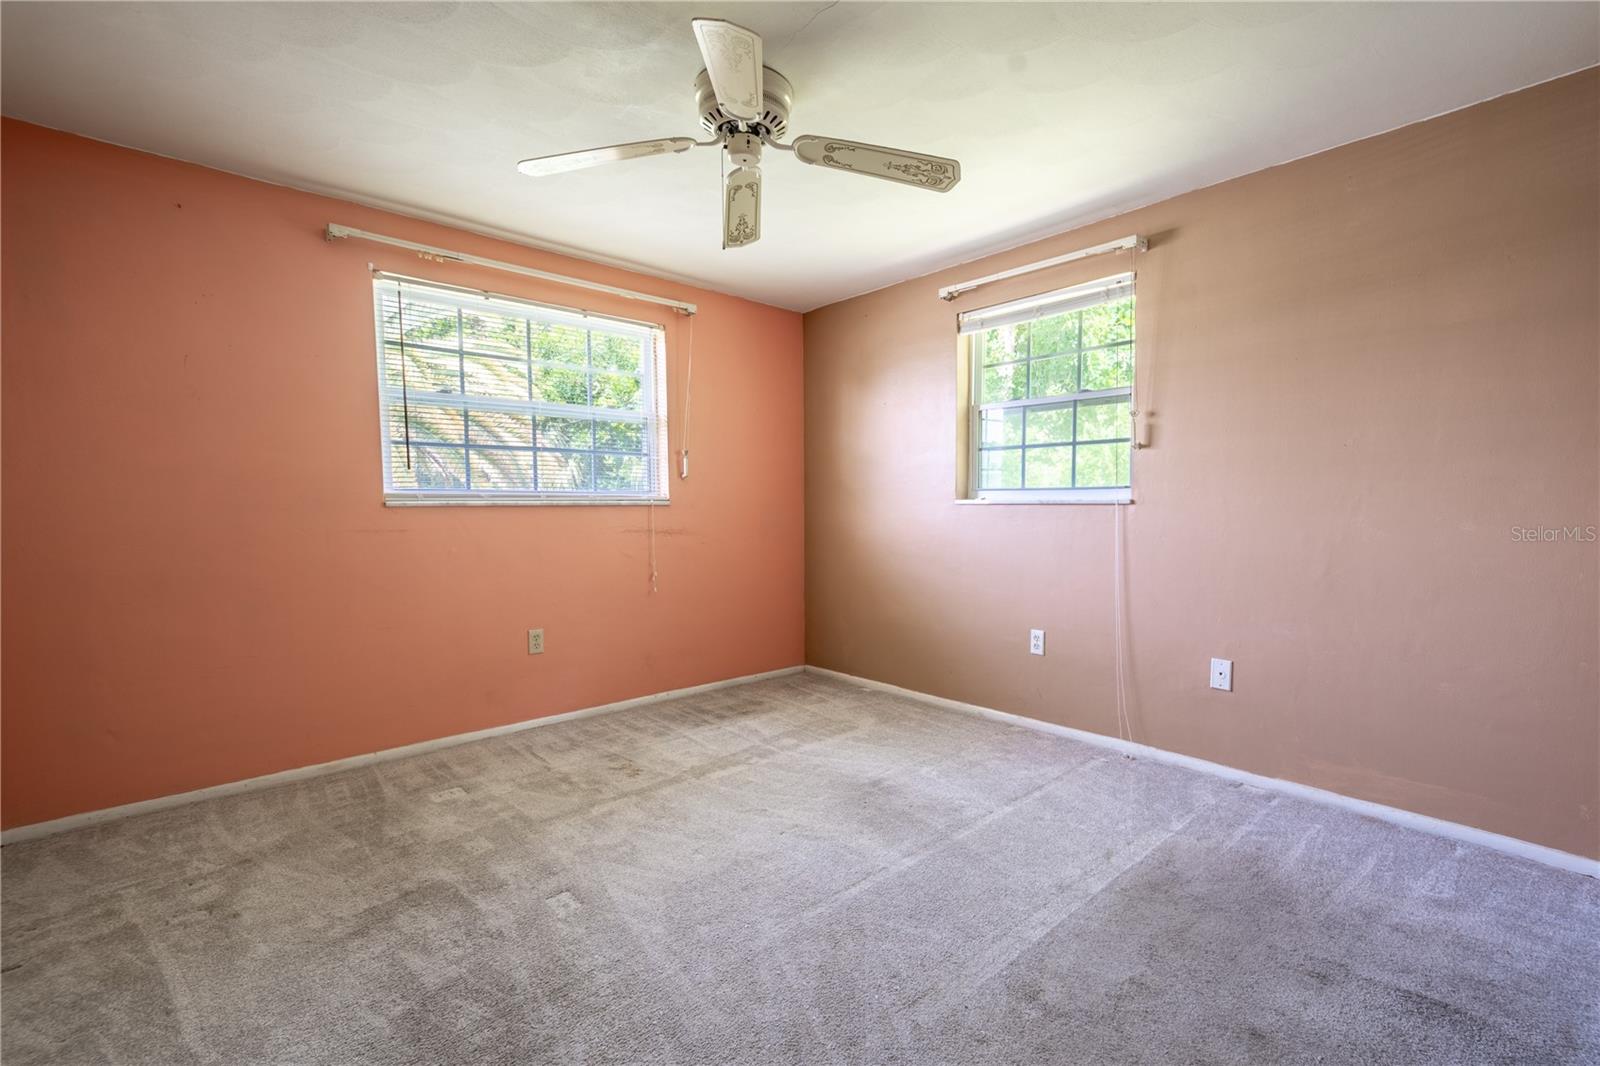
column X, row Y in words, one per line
column 489, row 398
column 1052, row 388
column 1105, row 290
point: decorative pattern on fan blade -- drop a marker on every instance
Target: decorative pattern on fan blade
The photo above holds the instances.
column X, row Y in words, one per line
column 733, row 59
column 741, row 208
column 908, row 168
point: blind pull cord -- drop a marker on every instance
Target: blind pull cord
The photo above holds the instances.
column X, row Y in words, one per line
column 652, row 506
column 1139, row 430
column 688, row 397
column 1119, row 575
column 405, row 398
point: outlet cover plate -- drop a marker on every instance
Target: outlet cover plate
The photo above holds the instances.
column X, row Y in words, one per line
column 1222, row 674
column 535, row 642
column 1035, row 642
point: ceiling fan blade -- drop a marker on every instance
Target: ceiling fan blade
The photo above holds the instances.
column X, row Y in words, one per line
column 593, row 157
column 909, row 168
column 741, row 208
column 733, row 59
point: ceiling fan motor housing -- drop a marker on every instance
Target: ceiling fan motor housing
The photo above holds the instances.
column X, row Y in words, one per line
column 777, row 98
column 744, row 149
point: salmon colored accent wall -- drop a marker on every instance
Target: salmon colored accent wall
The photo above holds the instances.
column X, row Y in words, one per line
column 201, row 582
column 1363, row 370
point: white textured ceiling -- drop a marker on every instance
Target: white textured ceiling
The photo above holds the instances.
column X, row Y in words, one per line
column 1059, row 113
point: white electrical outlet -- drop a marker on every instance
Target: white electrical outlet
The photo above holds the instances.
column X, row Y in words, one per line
column 1222, row 674
column 535, row 642
column 1035, row 642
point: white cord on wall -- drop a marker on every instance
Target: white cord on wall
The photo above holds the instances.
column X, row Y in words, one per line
column 652, row 506
column 1124, row 726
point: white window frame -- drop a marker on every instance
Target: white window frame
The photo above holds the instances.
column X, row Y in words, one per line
column 1045, row 305
column 653, row 415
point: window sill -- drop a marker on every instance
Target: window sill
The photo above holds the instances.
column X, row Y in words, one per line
column 1103, row 496
column 412, row 499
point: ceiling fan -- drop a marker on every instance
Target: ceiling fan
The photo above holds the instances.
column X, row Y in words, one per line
column 744, row 106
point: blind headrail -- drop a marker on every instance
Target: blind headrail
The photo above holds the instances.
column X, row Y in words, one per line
column 1121, row 244
column 1101, row 290
column 577, row 315
column 338, row 232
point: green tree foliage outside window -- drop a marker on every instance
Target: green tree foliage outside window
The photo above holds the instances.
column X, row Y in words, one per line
column 1054, row 399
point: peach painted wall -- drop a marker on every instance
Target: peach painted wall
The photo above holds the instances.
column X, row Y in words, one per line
column 1364, row 369
column 201, row 582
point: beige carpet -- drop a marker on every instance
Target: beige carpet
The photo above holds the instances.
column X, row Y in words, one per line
column 795, row 871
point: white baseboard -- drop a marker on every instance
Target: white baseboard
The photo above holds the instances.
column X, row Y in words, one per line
column 284, row 777
column 1562, row 860
column 1522, row 849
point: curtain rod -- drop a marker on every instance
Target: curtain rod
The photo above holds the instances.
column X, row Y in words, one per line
column 1121, row 244
column 428, row 251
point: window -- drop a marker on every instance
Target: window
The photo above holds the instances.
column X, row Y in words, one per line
column 1050, row 395
column 488, row 399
